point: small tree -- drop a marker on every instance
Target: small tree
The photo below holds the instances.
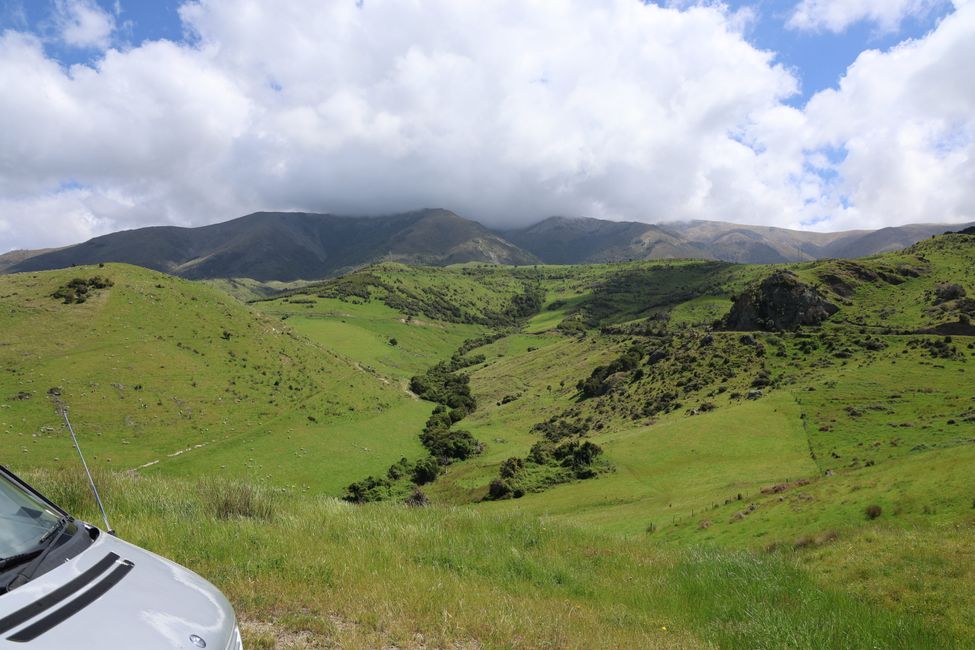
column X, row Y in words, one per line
column 426, row 470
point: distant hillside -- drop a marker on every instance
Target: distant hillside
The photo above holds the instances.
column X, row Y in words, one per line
column 561, row 240
column 289, row 246
column 13, row 258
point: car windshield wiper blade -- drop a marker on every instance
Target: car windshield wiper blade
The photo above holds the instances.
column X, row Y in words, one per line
column 33, row 558
column 40, row 547
column 55, row 529
column 15, row 560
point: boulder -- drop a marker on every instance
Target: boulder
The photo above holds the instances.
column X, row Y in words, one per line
column 779, row 302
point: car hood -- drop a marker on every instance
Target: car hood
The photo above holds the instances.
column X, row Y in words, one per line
column 116, row 595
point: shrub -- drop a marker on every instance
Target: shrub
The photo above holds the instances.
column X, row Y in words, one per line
column 873, row 511
column 558, row 428
column 541, row 452
column 399, row 469
column 426, row 470
column 596, row 384
column 511, row 467
column 443, row 385
column 499, row 489
column 448, row 446
column 948, row 291
column 367, row 490
column 77, row 290
column 417, row 499
column 578, row 457
column 526, row 304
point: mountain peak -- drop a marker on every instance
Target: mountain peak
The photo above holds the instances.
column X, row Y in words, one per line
column 289, row 246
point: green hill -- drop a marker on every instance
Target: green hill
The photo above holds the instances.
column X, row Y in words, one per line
column 175, row 377
column 642, row 464
column 284, row 246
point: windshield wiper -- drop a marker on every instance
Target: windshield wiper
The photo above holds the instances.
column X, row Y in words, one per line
column 14, row 560
column 55, row 529
column 34, row 556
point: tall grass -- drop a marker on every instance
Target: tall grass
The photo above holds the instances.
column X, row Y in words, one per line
column 740, row 600
column 320, row 572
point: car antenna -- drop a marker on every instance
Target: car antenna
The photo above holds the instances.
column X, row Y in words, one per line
column 55, row 395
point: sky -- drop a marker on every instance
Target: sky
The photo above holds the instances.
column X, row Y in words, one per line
column 810, row 114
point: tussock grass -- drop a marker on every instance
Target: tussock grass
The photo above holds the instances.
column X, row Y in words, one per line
column 323, row 573
column 229, row 499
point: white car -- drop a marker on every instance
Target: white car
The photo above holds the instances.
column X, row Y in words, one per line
column 66, row 584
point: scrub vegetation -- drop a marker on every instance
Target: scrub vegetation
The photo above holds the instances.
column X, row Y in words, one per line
column 647, row 454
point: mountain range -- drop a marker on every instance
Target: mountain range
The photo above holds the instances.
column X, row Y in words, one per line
column 290, row 246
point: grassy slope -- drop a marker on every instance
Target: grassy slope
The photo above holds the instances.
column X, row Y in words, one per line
column 892, row 427
column 363, row 331
column 245, row 289
column 159, row 370
column 876, row 420
column 316, row 572
column 683, row 466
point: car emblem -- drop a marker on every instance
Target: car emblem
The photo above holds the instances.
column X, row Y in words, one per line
column 198, row 641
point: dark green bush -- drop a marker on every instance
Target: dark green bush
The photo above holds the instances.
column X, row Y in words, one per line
column 78, row 289
column 448, row 446
column 426, row 470
column 499, row 489
column 367, row 490
column 399, row 469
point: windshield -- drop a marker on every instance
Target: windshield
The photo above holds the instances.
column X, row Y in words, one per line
column 24, row 519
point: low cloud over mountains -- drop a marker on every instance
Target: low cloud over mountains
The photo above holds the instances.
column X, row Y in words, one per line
column 292, row 246
column 503, row 110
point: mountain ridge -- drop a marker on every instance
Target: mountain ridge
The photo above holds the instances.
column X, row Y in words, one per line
column 289, row 246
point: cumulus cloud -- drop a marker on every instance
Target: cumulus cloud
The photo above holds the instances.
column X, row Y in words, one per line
column 505, row 111
column 902, row 124
column 83, row 23
column 837, row 15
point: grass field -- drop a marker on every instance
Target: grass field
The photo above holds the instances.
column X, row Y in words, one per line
column 806, row 488
column 316, row 572
column 367, row 332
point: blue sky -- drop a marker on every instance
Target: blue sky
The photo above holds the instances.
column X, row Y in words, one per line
column 821, row 57
column 189, row 113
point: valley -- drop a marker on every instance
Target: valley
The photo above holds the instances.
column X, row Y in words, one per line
column 775, row 451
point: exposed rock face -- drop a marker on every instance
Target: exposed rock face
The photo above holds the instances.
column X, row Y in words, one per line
column 780, row 302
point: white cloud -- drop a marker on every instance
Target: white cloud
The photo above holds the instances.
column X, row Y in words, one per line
column 906, row 121
column 505, row 111
column 83, row 23
column 837, row 15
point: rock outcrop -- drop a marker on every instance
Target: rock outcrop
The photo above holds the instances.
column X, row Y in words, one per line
column 779, row 302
